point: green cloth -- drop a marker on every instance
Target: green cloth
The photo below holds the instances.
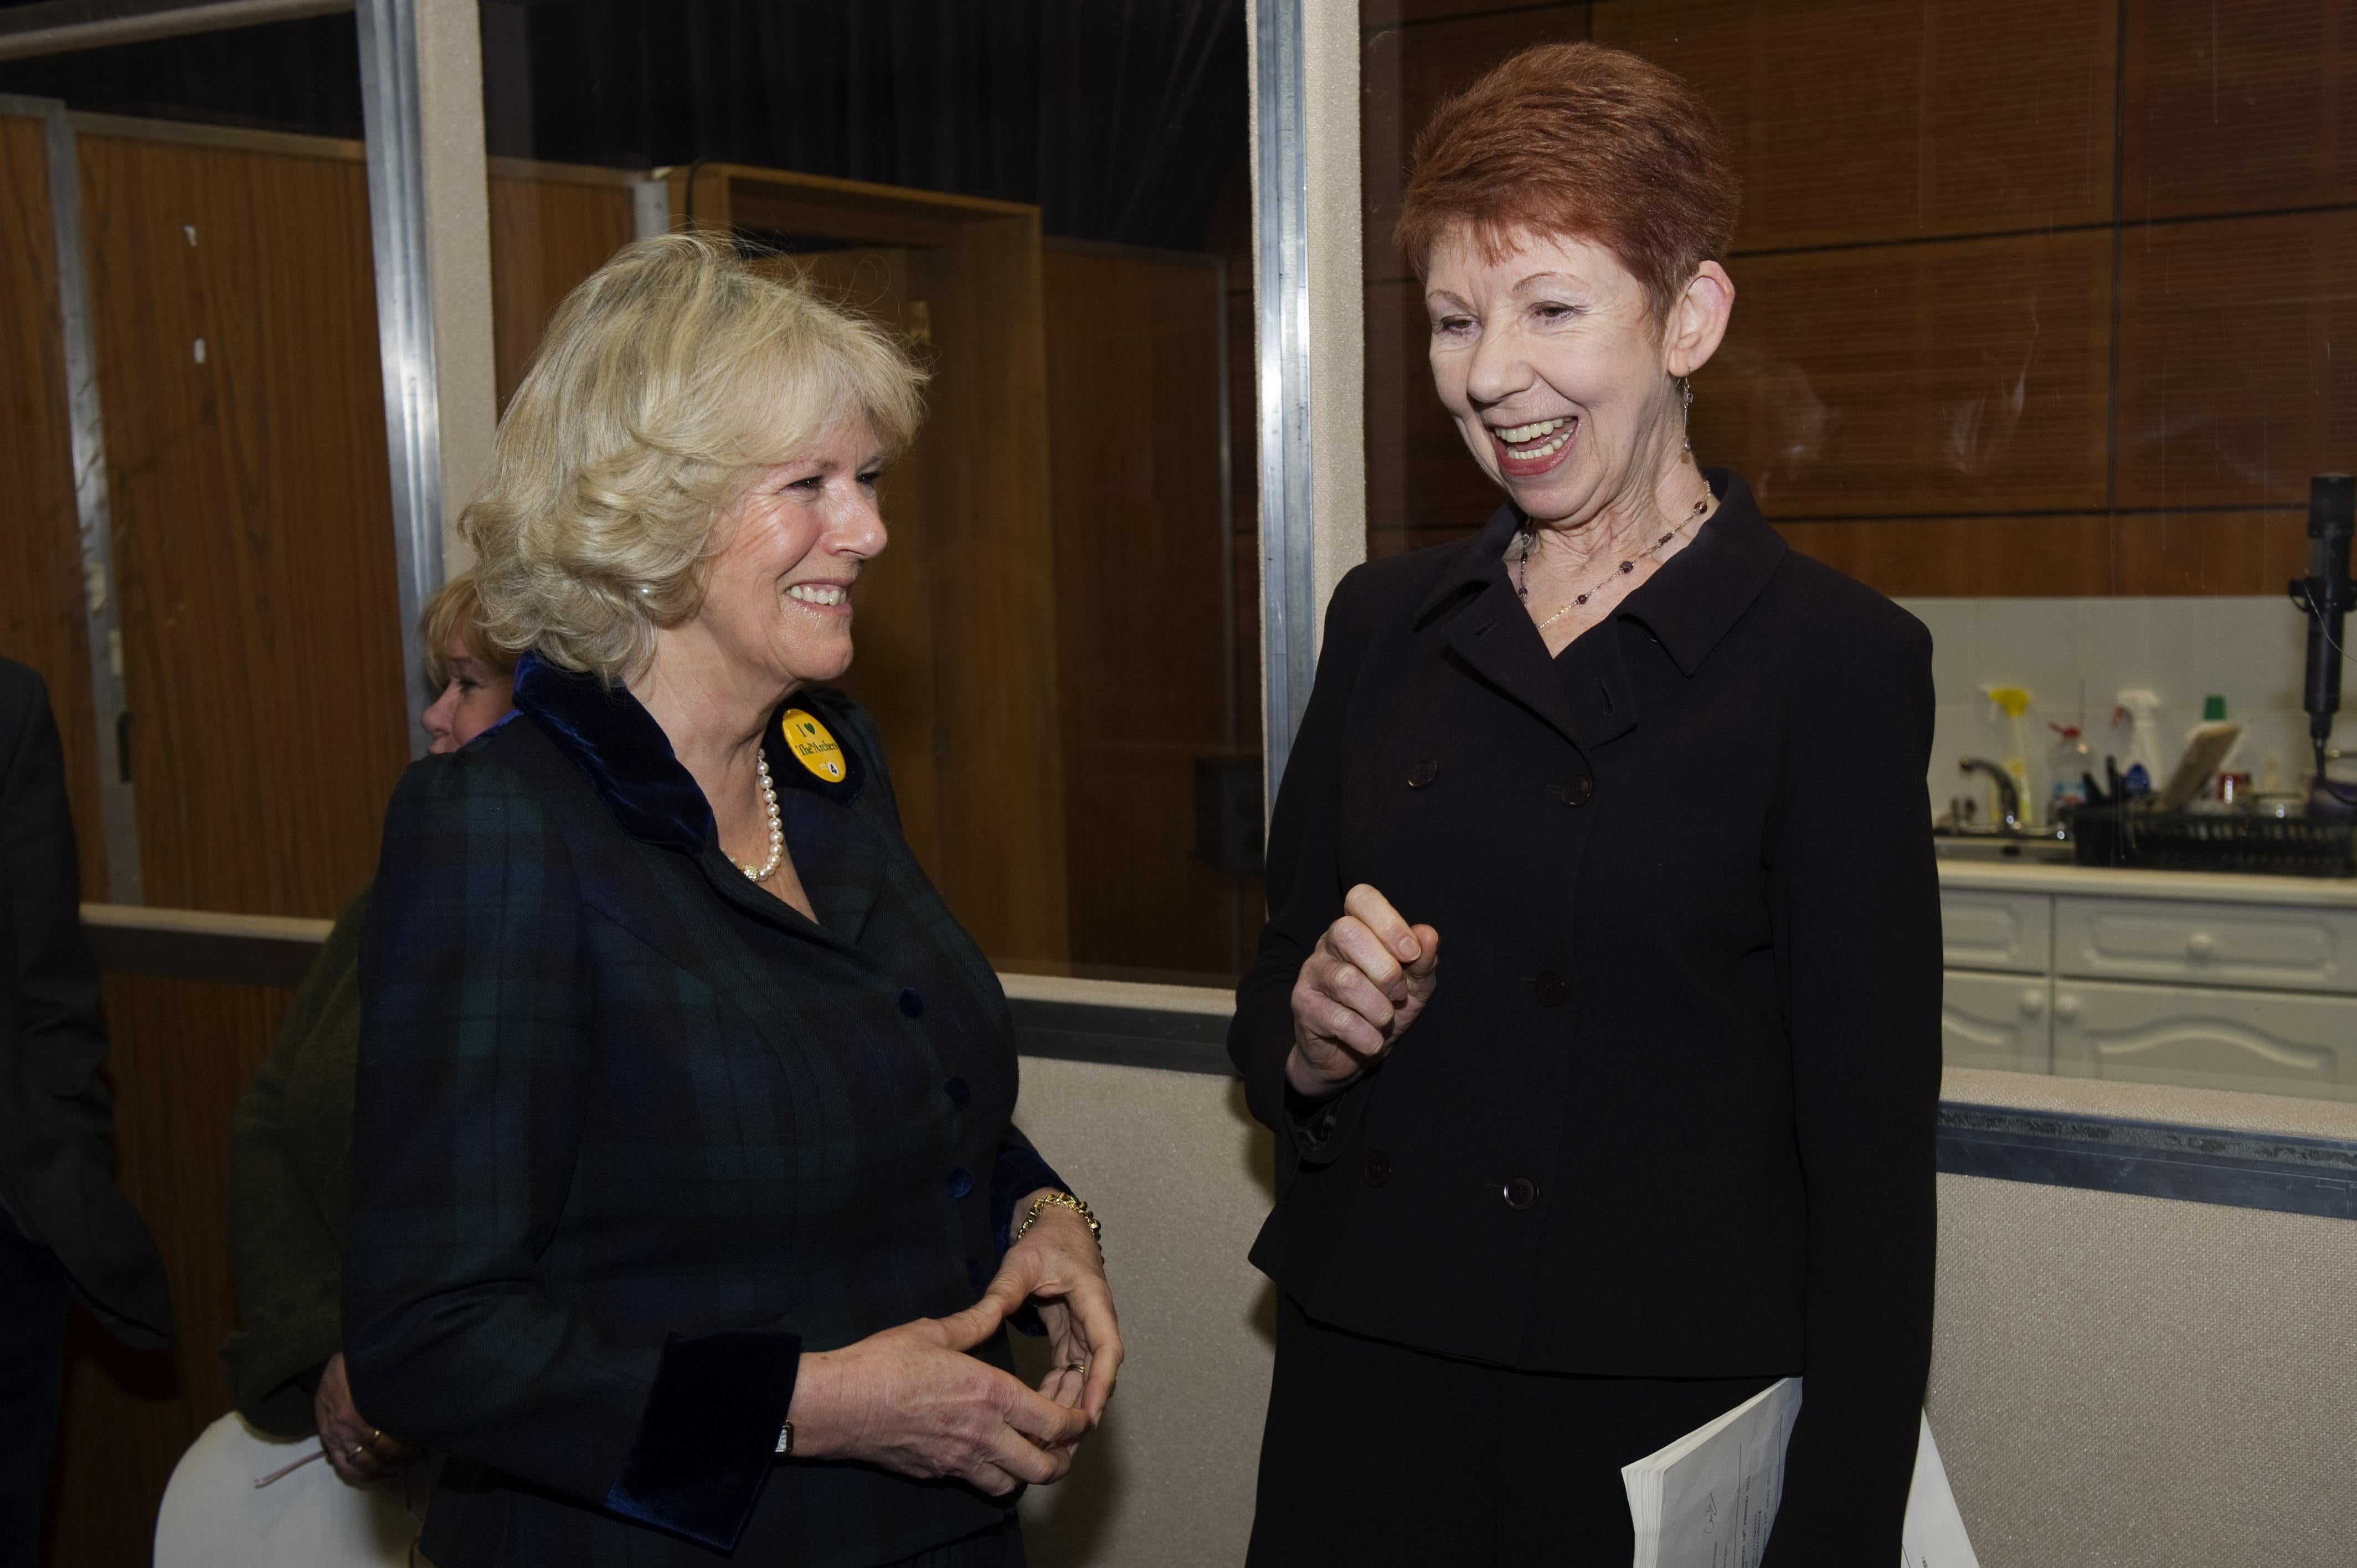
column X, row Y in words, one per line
column 290, row 1160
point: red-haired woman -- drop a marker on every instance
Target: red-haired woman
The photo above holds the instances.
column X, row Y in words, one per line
column 1657, row 1127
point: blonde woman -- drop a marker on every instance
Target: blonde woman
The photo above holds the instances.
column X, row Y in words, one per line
column 686, row 1202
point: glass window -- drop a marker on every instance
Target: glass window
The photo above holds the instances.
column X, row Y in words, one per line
column 1051, row 204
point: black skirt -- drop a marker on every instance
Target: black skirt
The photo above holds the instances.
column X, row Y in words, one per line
column 1378, row 1454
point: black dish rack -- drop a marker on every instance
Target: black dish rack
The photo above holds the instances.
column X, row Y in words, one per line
column 2188, row 840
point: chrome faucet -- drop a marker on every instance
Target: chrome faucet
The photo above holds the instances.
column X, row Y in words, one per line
column 2009, row 796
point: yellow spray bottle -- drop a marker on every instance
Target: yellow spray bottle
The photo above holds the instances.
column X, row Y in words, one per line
column 2015, row 702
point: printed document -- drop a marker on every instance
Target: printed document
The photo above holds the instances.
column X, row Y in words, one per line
column 1708, row 1499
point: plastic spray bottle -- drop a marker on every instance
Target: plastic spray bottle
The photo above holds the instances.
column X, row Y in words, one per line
column 2069, row 762
column 2015, row 702
column 2144, row 741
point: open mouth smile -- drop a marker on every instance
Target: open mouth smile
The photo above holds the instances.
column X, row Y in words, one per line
column 1526, row 451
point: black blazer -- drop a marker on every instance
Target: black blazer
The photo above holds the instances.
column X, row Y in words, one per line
column 1670, row 1111
column 56, row 1123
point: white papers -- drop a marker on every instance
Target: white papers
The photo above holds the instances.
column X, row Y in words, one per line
column 1708, row 1499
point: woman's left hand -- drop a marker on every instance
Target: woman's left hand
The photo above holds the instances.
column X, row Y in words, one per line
column 1057, row 1267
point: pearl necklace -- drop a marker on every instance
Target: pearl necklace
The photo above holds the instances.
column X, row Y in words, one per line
column 1529, row 539
column 777, row 832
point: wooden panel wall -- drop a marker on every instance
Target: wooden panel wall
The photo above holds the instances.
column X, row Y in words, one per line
column 183, row 1052
column 2035, row 296
column 548, row 232
column 234, row 293
column 1145, row 623
column 41, row 620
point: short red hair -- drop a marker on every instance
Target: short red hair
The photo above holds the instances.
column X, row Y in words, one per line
column 1578, row 142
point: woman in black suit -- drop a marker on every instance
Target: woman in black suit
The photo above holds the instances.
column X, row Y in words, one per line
column 1659, row 1131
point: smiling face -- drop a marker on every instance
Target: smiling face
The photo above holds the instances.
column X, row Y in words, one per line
column 776, row 600
column 1561, row 379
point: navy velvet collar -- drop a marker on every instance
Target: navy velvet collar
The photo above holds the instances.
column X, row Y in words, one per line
column 614, row 740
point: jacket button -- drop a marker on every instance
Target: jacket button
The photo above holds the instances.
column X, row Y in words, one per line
column 1379, row 1168
column 1578, row 789
column 959, row 1182
column 912, row 1002
column 958, row 1092
column 1521, row 1192
column 1551, row 988
column 1423, row 773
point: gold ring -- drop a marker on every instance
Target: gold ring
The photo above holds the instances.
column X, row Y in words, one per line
column 1076, row 1366
column 358, row 1449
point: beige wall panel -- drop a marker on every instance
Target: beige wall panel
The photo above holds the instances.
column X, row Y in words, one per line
column 2133, row 1382
column 1179, row 1175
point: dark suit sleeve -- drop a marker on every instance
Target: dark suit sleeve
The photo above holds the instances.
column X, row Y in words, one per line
column 1858, row 935
column 57, row 979
column 474, row 1068
column 1305, row 896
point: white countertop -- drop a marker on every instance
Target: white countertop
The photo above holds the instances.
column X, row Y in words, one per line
column 2100, row 882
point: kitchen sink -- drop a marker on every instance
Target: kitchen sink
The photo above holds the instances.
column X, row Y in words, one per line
column 1995, row 847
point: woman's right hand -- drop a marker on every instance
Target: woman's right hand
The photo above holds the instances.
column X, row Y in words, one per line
column 1365, row 983
column 910, row 1399
column 358, row 1452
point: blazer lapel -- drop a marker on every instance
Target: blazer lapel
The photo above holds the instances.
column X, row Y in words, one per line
column 1498, row 642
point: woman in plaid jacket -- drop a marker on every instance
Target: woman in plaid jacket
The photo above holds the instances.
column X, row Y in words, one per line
column 683, row 1149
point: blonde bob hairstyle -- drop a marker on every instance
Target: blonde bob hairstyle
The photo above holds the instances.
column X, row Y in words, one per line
column 456, row 611
column 666, row 382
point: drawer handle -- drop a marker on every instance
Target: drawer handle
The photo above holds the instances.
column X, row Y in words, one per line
column 2066, row 1007
column 2033, row 1002
column 2200, row 945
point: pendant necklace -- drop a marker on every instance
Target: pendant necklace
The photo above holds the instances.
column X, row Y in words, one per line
column 1529, row 539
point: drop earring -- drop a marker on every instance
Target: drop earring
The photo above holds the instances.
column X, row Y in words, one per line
column 1685, row 386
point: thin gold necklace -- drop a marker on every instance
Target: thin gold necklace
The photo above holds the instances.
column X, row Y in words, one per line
column 1529, row 539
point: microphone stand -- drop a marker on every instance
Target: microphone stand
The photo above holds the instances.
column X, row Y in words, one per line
column 2327, row 596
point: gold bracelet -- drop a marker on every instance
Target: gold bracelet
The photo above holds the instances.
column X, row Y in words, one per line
column 1040, row 1203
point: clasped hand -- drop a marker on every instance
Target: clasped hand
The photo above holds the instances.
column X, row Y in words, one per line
column 1367, row 979
column 909, row 1400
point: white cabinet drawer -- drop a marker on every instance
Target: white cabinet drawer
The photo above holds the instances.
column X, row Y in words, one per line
column 2267, row 946
column 1996, row 931
column 1996, row 1020
column 2207, row 1037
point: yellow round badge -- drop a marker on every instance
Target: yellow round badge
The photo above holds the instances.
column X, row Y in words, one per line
column 812, row 745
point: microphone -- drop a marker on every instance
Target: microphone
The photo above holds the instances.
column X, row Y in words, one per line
column 2327, row 594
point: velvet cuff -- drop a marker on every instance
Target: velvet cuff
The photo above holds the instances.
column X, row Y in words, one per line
column 709, row 1434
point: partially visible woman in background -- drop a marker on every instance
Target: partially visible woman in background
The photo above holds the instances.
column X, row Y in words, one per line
column 290, row 1146
column 290, row 1157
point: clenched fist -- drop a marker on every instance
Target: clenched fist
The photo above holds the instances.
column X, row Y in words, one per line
column 1368, row 979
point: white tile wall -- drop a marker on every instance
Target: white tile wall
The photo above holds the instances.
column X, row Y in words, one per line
column 2075, row 656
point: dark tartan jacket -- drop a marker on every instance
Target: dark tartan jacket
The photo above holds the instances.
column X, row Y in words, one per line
column 631, row 1136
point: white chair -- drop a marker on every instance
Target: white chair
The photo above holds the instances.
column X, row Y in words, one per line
column 213, row 1515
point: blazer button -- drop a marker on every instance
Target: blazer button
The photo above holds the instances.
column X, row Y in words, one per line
column 1551, row 988
column 1379, row 1168
column 959, row 1182
column 1578, row 789
column 958, row 1092
column 912, row 1002
column 1423, row 773
column 1521, row 1192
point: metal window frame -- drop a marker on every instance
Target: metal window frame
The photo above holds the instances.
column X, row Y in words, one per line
column 95, row 518
column 404, row 314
